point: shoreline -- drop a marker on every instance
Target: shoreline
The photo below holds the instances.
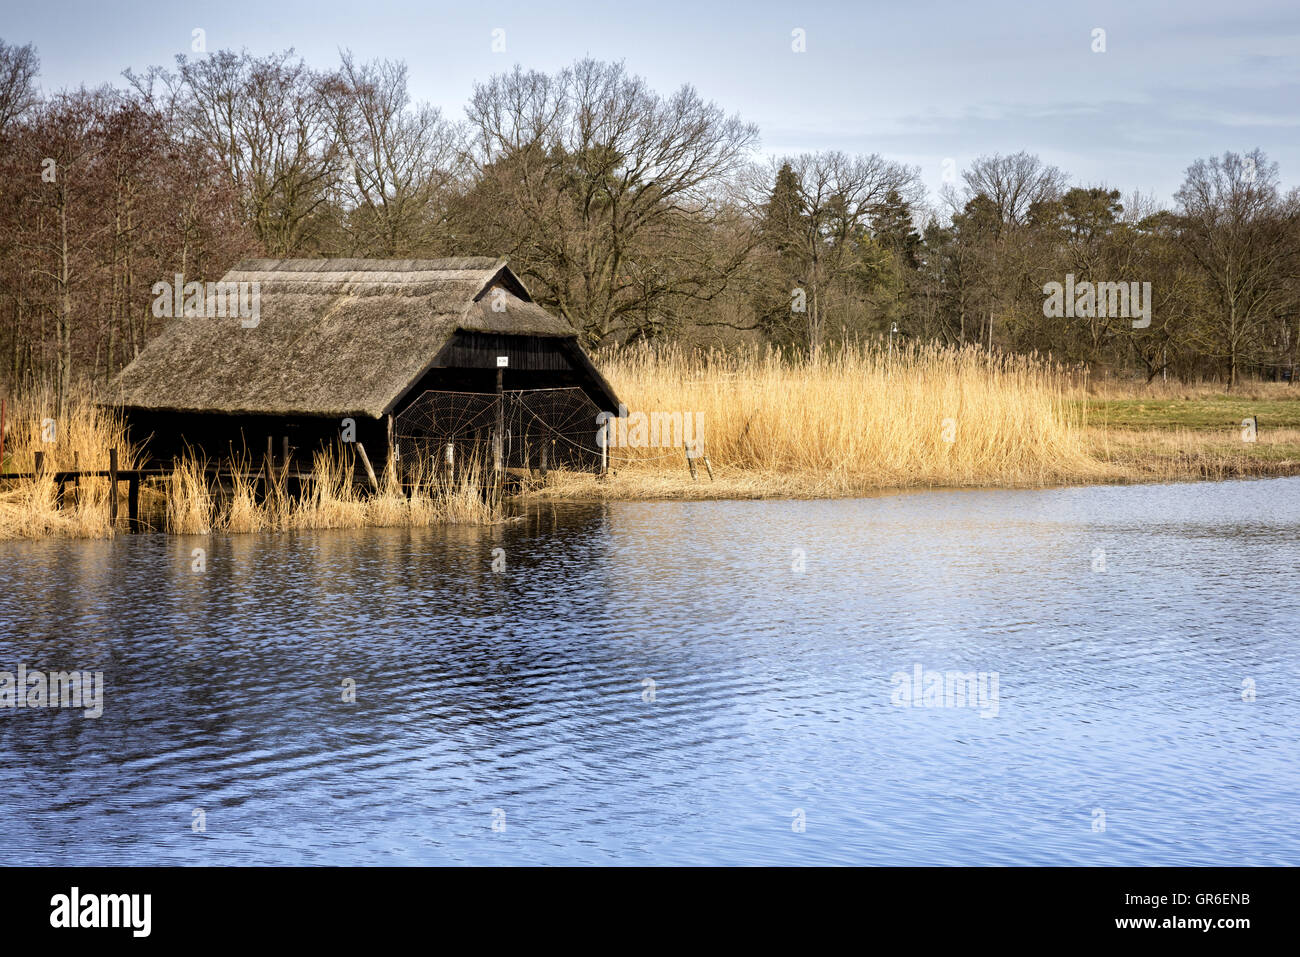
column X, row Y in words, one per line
column 1124, row 458
column 611, row 491
column 1119, row 456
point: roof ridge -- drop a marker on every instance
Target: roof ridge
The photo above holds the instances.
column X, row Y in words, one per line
column 350, row 264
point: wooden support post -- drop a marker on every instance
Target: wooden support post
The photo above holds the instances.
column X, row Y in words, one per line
column 76, row 474
column 365, row 460
column 39, row 458
column 498, row 457
column 112, row 488
column 690, row 461
column 269, row 466
column 696, row 451
column 284, row 446
column 451, row 463
column 545, row 448
column 133, row 502
column 220, row 487
column 391, row 466
column 500, row 444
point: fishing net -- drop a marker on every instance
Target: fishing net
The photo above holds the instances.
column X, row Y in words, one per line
column 440, row 429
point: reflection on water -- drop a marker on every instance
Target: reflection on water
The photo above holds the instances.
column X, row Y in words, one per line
column 675, row 682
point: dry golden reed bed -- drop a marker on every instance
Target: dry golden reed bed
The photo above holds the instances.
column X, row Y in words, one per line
column 183, row 501
column 854, row 420
column 330, row 500
column 83, row 437
column 851, row 421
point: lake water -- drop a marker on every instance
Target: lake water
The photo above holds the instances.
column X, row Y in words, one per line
column 1143, row 641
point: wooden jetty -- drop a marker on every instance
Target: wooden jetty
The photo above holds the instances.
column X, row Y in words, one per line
column 64, row 477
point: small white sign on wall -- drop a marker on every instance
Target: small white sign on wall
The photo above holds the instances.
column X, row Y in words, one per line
column 503, row 362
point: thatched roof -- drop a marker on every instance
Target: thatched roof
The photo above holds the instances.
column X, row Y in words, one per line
column 335, row 337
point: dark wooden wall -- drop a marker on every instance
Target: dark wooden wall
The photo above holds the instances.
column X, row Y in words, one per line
column 468, row 363
column 167, row 435
column 478, row 350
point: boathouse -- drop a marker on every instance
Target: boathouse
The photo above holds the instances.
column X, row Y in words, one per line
column 338, row 343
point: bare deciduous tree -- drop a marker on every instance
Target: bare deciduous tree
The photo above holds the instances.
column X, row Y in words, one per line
column 401, row 162
column 589, row 180
column 266, row 120
column 19, row 67
column 1235, row 229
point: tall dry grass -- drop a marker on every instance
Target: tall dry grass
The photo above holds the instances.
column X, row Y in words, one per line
column 185, row 500
column 82, row 437
column 859, row 418
column 189, row 507
column 328, row 498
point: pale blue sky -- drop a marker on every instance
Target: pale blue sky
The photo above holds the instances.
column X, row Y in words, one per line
column 917, row 81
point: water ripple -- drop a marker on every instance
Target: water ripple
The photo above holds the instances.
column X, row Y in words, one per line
column 701, row 682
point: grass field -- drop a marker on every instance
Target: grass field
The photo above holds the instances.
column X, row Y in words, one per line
column 1204, row 414
column 1196, row 432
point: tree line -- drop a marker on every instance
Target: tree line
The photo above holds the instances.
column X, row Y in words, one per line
column 638, row 216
